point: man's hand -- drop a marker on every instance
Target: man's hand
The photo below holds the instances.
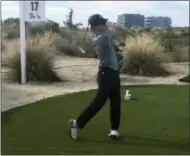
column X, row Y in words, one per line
column 121, row 44
column 116, row 48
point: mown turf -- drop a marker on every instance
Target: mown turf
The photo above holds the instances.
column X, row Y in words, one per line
column 155, row 121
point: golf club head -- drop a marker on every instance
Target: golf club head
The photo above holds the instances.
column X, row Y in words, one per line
column 81, row 50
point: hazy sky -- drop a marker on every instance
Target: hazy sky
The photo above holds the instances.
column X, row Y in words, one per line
column 58, row 10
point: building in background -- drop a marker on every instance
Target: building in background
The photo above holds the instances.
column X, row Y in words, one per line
column 113, row 26
column 131, row 20
column 160, row 22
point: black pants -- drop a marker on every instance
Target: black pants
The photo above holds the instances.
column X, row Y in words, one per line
column 108, row 87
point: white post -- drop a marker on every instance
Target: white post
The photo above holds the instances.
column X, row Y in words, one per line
column 22, row 43
column 30, row 11
column 0, row 30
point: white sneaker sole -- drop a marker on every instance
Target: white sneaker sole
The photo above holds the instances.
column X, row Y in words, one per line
column 114, row 137
column 70, row 131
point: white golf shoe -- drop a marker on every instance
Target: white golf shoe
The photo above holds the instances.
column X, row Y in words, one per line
column 114, row 134
column 73, row 130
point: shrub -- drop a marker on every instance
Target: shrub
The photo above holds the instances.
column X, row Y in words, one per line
column 77, row 39
column 42, row 28
column 170, row 38
column 11, row 21
column 11, row 32
column 72, row 39
column 144, row 56
column 10, row 28
column 36, row 30
column 123, row 33
column 39, row 56
column 9, row 50
column 2, row 45
column 65, row 47
column 48, row 38
column 180, row 54
column 52, row 26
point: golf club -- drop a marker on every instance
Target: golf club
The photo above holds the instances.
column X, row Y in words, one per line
column 83, row 51
column 80, row 48
column 85, row 32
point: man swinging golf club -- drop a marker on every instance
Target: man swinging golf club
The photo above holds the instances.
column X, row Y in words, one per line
column 107, row 77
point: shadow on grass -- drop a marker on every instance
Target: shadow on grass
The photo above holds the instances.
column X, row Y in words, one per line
column 7, row 115
column 133, row 98
column 185, row 79
column 140, row 141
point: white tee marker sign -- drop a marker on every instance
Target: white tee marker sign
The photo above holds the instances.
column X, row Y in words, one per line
column 30, row 11
column 34, row 11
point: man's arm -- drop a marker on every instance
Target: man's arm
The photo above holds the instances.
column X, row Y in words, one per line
column 115, row 45
column 103, row 44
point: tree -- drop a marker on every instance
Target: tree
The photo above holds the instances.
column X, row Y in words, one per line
column 69, row 22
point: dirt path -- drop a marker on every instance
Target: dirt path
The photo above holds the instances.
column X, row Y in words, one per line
column 81, row 74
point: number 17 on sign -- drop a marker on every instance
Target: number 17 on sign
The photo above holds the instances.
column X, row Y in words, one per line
column 30, row 11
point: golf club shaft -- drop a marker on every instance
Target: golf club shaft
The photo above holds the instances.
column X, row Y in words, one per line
column 85, row 33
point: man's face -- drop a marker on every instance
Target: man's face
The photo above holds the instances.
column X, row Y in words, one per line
column 92, row 29
column 111, row 27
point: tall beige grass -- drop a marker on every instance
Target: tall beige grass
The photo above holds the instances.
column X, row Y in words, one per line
column 144, row 56
column 181, row 54
column 39, row 55
column 73, row 40
column 2, row 45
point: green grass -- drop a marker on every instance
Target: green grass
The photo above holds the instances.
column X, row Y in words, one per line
column 155, row 121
